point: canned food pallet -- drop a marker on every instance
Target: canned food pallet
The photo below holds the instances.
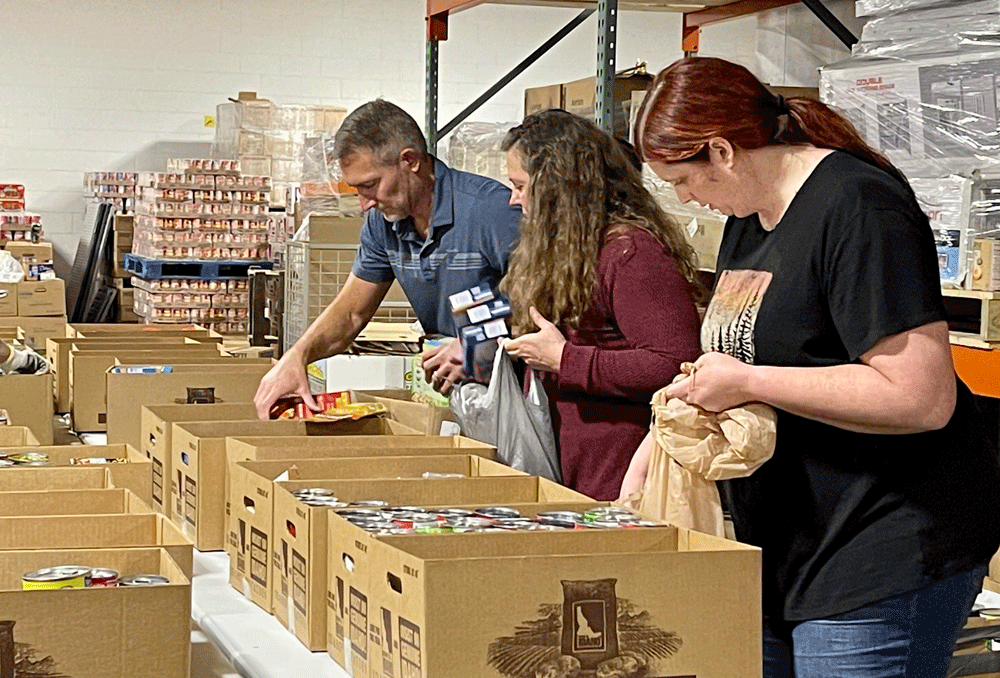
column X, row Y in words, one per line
column 154, row 269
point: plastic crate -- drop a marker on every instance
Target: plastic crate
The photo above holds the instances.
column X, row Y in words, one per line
column 314, row 275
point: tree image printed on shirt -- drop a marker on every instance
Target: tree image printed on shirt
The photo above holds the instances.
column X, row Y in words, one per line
column 732, row 314
column 592, row 633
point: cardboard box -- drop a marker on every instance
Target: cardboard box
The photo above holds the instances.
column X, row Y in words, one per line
column 199, row 462
column 404, row 603
column 44, row 297
column 362, row 372
column 39, row 251
column 33, row 533
column 34, row 330
column 17, row 436
column 71, row 502
column 131, row 632
column 127, row 393
column 91, row 330
column 88, row 375
column 426, row 418
column 542, row 98
column 156, row 429
column 44, row 478
column 269, row 448
column 579, row 96
column 251, row 507
column 28, row 401
column 57, row 350
column 134, row 474
column 299, row 535
column 8, row 299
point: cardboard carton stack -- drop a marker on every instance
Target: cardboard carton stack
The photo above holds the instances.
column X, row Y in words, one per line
column 578, row 96
column 208, row 214
column 36, row 304
column 268, row 138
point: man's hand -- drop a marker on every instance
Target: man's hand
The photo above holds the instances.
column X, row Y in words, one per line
column 287, row 377
column 541, row 350
column 443, row 366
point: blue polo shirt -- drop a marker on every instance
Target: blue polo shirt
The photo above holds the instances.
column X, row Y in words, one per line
column 472, row 232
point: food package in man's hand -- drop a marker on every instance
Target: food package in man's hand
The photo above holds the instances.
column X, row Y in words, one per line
column 334, row 406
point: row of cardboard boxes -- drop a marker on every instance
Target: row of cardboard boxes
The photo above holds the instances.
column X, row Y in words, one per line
column 400, row 605
column 58, row 515
column 388, row 605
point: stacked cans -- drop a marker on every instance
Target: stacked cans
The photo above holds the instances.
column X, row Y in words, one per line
column 79, row 577
column 378, row 517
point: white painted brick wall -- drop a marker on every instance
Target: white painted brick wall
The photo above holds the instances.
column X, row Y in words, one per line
column 105, row 85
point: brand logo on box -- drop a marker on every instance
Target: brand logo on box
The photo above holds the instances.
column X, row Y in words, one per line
column 593, row 630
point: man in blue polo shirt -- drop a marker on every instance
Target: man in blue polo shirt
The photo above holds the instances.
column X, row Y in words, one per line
column 436, row 230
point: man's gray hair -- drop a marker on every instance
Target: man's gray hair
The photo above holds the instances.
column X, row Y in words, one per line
column 382, row 128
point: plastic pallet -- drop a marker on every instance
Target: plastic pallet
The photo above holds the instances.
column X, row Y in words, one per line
column 160, row 269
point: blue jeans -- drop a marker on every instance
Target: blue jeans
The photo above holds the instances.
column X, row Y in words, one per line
column 908, row 636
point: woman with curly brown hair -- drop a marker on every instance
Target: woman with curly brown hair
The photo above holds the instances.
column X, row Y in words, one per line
column 877, row 513
column 601, row 286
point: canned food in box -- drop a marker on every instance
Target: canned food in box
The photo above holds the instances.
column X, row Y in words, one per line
column 143, row 580
column 59, row 577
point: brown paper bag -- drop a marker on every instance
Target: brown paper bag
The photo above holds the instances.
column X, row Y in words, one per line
column 692, row 449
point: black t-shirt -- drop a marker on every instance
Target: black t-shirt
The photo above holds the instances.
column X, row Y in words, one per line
column 847, row 519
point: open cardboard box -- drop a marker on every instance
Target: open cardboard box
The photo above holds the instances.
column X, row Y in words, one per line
column 235, row 381
column 155, row 423
column 30, row 533
column 269, row 448
column 28, row 401
column 251, row 502
column 120, row 632
column 41, row 478
column 198, row 488
column 35, row 330
column 134, row 474
column 57, row 351
column 71, row 502
column 423, row 417
column 688, row 604
column 299, row 534
column 88, row 368
column 87, row 330
column 17, row 436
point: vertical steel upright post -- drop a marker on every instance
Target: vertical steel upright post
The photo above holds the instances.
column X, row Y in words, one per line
column 607, row 26
column 431, row 95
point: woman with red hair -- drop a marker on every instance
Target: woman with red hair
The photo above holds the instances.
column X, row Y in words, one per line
column 876, row 515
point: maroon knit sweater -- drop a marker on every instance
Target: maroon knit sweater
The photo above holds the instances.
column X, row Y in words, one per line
column 640, row 326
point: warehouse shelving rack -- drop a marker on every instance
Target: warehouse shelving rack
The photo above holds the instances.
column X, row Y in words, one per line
column 977, row 363
column 696, row 15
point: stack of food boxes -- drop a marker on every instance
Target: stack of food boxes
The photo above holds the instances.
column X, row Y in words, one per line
column 36, row 304
column 213, row 218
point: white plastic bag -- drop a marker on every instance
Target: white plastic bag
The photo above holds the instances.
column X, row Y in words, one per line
column 11, row 270
column 519, row 426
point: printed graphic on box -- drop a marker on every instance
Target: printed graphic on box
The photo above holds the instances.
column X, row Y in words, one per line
column 21, row 659
column 593, row 632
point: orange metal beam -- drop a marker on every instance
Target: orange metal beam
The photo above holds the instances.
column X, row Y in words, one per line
column 979, row 369
column 733, row 10
column 691, row 38
column 437, row 27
